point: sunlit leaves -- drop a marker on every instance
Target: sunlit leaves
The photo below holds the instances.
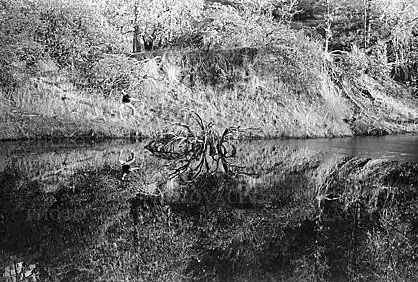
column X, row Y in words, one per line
column 162, row 21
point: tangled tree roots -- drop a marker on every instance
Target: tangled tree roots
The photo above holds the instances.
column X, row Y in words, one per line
column 195, row 152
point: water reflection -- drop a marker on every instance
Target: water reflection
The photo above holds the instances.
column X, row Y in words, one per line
column 310, row 214
column 387, row 147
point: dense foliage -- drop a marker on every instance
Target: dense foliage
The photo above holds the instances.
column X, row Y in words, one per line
column 386, row 31
column 71, row 34
column 77, row 34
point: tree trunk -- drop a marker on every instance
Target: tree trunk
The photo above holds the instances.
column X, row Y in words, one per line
column 135, row 40
column 328, row 26
column 136, row 30
column 366, row 22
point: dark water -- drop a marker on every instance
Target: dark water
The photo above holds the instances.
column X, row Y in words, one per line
column 316, row 210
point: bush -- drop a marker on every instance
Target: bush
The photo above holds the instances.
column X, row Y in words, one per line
column 18, row 53
column 72, row 33
column 161, row 23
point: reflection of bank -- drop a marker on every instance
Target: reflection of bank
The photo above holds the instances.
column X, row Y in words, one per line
column 281, row 235
column 56, row 214
column 50, row 179
column 50, row 164
column 241, row 192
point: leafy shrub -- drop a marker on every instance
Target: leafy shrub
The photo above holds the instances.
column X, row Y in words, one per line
column 72, row 33
column 18, row 53
column 75, row 35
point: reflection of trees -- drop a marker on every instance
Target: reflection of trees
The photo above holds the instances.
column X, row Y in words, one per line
column 353, row 232
column 304, row 218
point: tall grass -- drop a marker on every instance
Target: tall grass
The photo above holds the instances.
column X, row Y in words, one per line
column 256, row 91
column 42, row 107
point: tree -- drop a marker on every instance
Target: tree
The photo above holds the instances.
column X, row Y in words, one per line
column 378, row 27
column 328, row 31
column 159, row 23
column 366, row 21
column 398, row 20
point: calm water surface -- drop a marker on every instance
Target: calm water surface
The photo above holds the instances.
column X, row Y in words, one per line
column 403, row 148
column 388, row 147
column 315, row 210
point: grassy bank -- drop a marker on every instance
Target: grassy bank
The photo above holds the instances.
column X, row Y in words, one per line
column 50, row 106
column 66, row 65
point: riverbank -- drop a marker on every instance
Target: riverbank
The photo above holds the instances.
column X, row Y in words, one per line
column 51, row 107
column 64, row 76
column 33, row 126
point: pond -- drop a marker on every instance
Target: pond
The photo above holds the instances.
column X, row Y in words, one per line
column 308, row 210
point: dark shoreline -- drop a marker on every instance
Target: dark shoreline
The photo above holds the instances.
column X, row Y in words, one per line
column 103, row 138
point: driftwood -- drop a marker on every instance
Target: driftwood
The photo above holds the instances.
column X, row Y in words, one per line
column 194, row 152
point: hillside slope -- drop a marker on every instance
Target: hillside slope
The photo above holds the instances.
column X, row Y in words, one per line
column 65, row 74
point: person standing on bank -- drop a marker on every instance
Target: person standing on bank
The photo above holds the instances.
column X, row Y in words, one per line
column 127, row 102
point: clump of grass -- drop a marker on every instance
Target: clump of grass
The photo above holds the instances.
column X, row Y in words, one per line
column 50, row 106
